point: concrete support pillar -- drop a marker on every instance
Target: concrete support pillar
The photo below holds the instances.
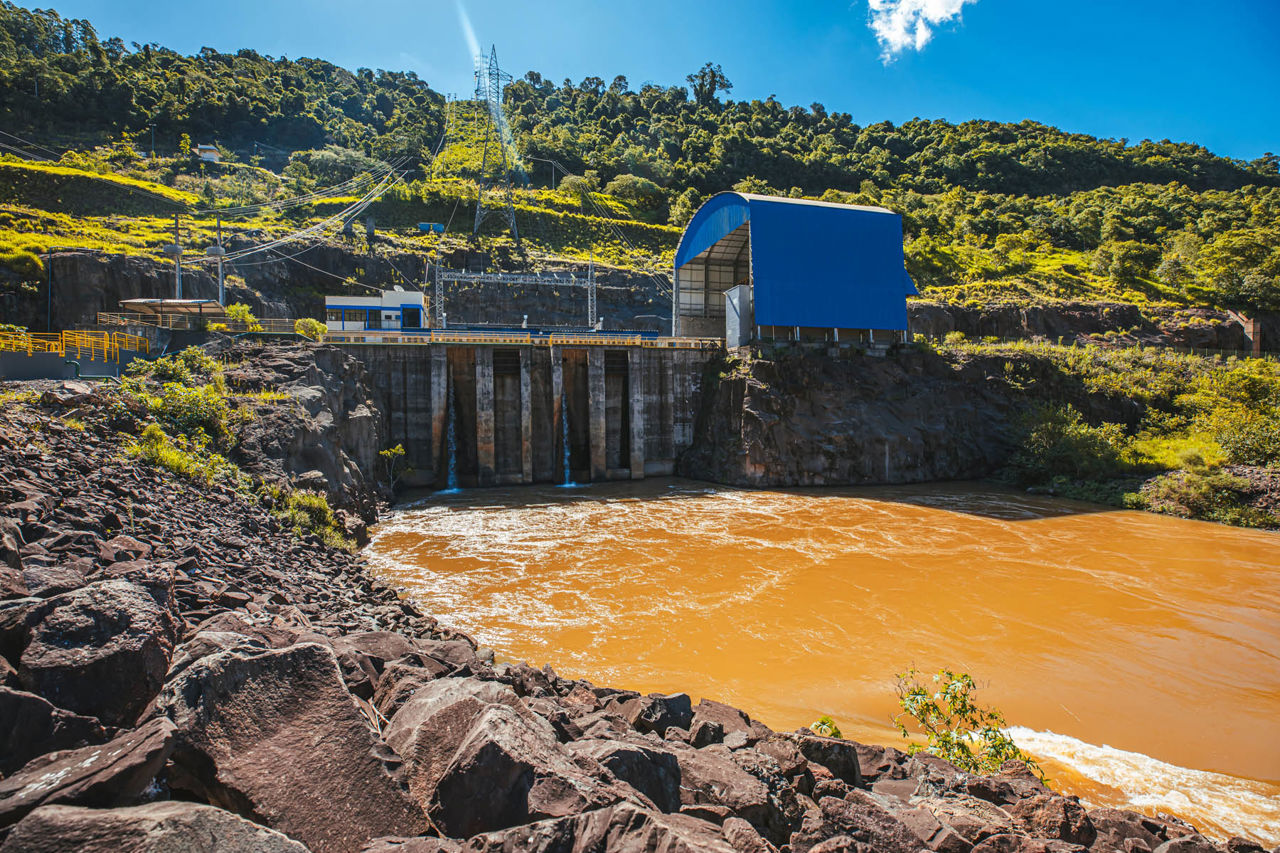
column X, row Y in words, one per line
column 439, row 411
column 635, row 388
column 526, row 415
column 486, row 472
column 596, row 410
column 557, row 407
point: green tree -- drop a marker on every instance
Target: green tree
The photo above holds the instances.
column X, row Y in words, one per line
column 954, row 725
column 707, row 82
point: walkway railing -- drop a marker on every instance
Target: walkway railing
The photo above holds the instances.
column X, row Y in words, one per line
column 188, row 322
column 98, row 346
column 444, row 336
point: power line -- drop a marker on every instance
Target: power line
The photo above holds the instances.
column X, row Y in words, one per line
column 31, row 144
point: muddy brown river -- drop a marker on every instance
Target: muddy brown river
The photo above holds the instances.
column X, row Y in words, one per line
column 1137, row 655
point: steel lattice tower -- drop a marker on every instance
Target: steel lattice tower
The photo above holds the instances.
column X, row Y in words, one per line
column 491, row 80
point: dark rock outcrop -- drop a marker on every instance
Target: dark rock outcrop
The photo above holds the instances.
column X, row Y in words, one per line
column 102, row 650
column 31, row 726
column 116, row 773
column 154, row 827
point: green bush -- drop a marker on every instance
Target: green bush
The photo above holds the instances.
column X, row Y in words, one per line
column 1210, row 495
column 1059, row 443
column 187, row 458
column 179, row 367
column 192, row 411
column 825, row 726
column 242, row 313
column 310, row 328
column 1249, row 436
column 309, row 513
column 955, row 727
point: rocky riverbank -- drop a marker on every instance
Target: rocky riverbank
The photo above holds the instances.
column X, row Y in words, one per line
column 180, row 670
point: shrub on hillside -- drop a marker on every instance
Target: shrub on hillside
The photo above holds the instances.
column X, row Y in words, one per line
column 1210, row 495
column 241, row 313
column 309, row 327
column 1058, row 442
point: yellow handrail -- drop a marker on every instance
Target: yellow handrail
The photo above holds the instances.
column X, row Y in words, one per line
column 99, row 346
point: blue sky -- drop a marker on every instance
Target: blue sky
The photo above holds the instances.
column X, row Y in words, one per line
column 1177, row 69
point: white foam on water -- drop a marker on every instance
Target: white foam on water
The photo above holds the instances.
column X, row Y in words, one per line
column 1217, row 804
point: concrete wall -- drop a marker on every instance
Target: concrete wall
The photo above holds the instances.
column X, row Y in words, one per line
column 630, row 411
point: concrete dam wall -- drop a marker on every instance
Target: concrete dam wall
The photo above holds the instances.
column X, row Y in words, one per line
column 535, row 414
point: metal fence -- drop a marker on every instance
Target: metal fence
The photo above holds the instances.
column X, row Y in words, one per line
column 97, row 346
column 195, row 322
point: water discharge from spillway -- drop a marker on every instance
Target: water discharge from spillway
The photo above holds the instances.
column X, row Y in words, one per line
column 1138, row 655
column 451, row 440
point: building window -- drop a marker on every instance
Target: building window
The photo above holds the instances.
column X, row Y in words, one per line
column 334, row 315
column 375, row 319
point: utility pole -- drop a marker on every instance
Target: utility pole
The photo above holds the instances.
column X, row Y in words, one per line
column 591, row 292
column 48, row 311
column 217, row 252
column 175, row 249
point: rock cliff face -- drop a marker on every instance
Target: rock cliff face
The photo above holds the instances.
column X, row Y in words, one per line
column 328, row 439
column 811, row 418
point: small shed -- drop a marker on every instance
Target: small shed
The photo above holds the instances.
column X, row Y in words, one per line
column 753, row 267
column 208, row 153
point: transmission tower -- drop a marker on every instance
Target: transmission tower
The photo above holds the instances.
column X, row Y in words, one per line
column 498, row 144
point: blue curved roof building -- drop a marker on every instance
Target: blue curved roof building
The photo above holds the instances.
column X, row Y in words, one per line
column 766, row 267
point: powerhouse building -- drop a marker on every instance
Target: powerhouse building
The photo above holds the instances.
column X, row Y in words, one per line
column 753, row 267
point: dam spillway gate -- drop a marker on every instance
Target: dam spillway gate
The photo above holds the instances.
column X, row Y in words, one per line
column 527, row 413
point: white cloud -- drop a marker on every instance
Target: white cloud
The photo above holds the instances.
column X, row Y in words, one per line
column 902, row 25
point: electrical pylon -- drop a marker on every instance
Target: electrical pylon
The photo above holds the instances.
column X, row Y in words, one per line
column 491, row 81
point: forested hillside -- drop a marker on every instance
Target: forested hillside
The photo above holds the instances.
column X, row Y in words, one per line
column 992, row 211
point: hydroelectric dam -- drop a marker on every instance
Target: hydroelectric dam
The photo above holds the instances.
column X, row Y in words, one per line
column 475, row 410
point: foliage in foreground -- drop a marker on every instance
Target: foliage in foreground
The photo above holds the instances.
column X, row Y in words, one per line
column 955, row 726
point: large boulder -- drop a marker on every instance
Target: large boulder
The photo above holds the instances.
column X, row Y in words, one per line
column 429, row 727
column 1115, row 828
column 169, row 827
column 860, row 820
column 31, row 726
column 510, row 770
column 102, row 650
column 1007, row 843
column 1050, row 816
column 624, row 828
column 746, row 784
column 273, row 735
column 657, row 712
column 649, row 768
column 112, row 774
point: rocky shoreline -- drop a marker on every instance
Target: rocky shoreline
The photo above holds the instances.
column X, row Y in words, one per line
column 180, row 671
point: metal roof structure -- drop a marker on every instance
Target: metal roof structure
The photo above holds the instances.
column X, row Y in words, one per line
column 201, row 307
column 809, row 263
